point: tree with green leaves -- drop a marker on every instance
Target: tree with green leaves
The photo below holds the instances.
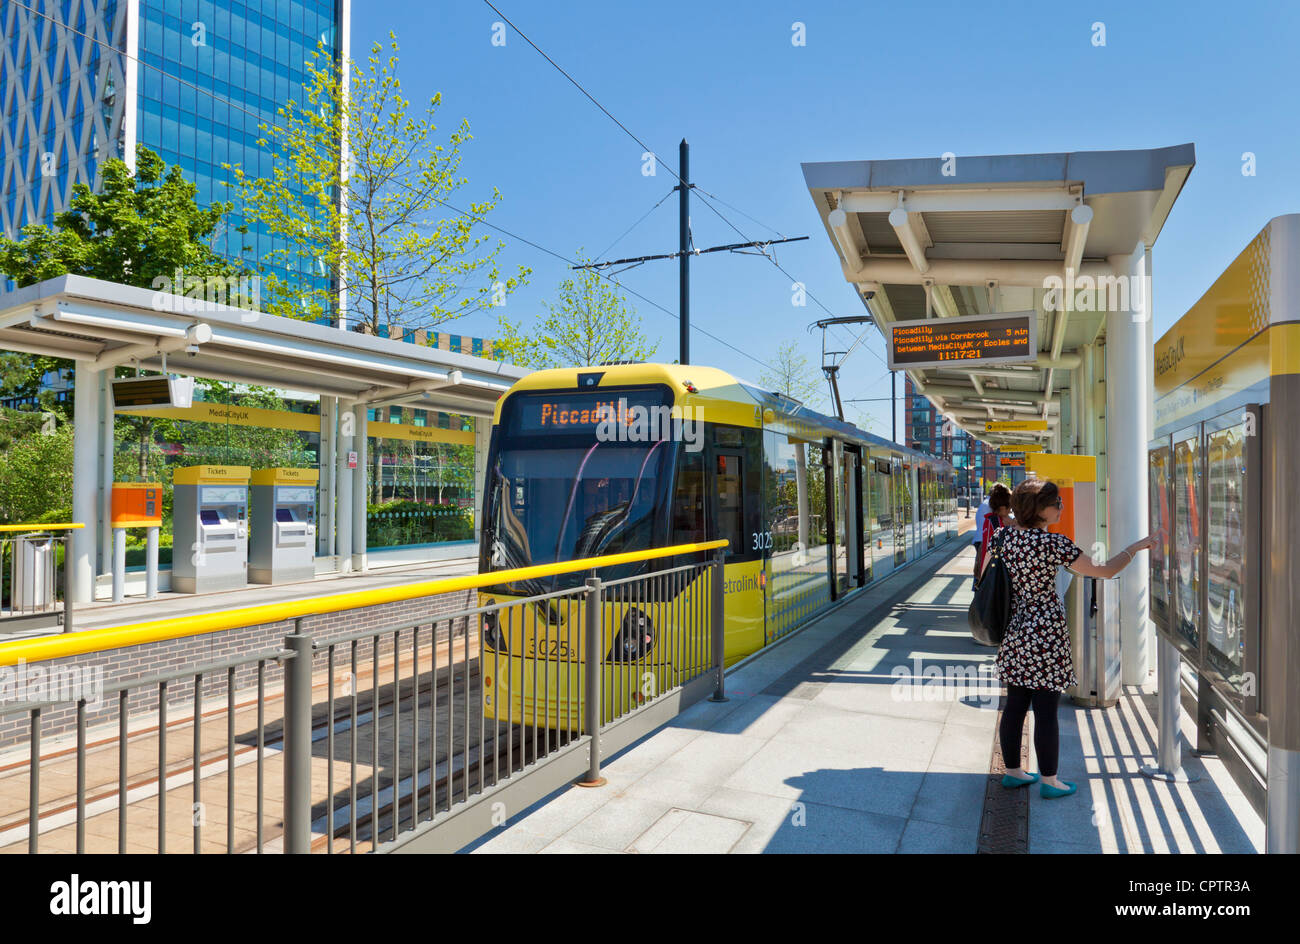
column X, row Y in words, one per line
column 793, row 376
column 589, row 323
column 35, row 470
column 137, row 228
column 377, row 226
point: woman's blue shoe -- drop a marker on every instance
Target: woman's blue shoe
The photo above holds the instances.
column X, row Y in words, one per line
column 1010, row 781
column 1049, row 792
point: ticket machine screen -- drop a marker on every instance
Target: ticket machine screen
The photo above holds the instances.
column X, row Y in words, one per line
column 283, row 514
column 208, row 516
column 222, row 495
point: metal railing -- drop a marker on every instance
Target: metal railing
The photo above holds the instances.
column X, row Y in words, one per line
column 412, row 734
column 32, row 596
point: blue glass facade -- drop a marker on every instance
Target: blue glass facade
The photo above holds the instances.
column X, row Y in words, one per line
column 249, row 59
column 209, row 72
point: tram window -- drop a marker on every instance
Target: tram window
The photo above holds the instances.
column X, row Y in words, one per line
column 688, row 500
column 730, row 503
column 728, row 435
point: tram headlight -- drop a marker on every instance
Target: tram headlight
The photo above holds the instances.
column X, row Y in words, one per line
column 635, row 639
column 492, row 635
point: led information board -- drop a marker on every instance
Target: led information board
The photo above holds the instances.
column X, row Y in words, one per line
column 975, row 339
column 1012, row 462
column 1021, row 448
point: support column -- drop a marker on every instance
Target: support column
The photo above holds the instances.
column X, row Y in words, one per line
column 343, row 487
column 86, row 397
column 1128, row 385
column 104, row 489
column 360, row 489
column 325, row 515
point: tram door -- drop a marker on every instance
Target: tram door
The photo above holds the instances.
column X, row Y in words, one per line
column 735, row 513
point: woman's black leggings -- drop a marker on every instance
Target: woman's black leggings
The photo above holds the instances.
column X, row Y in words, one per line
column 1047, row 740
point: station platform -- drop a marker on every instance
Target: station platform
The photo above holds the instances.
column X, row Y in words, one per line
column 168, row 605
column 873, row 730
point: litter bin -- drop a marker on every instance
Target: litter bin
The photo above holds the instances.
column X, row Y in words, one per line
column 33, row 573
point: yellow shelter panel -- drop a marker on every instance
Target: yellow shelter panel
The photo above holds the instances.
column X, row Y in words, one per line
column 1058, row 468
column 286, row 477
column 211, row 475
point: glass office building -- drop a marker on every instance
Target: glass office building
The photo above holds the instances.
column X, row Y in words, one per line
column 189, row 79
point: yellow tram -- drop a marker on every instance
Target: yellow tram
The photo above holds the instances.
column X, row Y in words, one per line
column 627, row 457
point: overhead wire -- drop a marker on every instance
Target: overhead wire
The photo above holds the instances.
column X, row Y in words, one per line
column 634, row 225
column 648, row 150
column 261, row 117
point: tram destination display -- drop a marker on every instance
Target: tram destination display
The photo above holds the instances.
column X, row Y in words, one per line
column 951, row 342
column 546, row 414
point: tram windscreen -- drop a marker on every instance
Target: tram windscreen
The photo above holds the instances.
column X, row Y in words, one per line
column 566, row 491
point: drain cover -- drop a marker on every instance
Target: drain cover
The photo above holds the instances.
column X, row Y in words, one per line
column 1004, row 827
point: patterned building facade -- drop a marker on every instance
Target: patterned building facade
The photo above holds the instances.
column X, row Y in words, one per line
column 82, row 81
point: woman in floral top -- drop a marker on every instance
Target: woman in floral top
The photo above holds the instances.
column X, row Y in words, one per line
column 1034, row 660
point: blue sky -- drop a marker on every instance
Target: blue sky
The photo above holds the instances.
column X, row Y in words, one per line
column 874, row 81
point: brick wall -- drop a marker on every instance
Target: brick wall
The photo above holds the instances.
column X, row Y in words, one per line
column 178, row 655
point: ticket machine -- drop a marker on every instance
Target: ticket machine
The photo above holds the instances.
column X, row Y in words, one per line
column 210, row 528
column 283, row 544
column 1094, row 638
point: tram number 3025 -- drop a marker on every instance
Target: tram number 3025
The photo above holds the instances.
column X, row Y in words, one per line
column 762, row 541
column 549, row 649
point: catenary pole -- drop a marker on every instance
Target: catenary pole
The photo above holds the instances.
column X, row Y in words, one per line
column 684, row 255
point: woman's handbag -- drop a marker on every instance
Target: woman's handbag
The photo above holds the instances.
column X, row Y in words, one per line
column 990, row 611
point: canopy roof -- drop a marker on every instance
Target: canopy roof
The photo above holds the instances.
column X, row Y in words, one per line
column 958, row 236
column 107, row 324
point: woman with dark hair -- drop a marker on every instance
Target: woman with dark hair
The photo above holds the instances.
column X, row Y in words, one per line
column 999, row 516
column 1034, row 660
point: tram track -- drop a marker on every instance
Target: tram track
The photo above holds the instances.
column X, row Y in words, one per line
column 375, row 706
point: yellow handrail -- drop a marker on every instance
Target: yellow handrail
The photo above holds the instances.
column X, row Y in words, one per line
column 41, row 527
column 115, row 637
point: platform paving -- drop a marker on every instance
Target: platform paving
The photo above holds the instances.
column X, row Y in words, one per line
column 872, row 731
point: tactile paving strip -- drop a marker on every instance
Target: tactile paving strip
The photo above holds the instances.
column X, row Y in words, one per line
column 1004, row 827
